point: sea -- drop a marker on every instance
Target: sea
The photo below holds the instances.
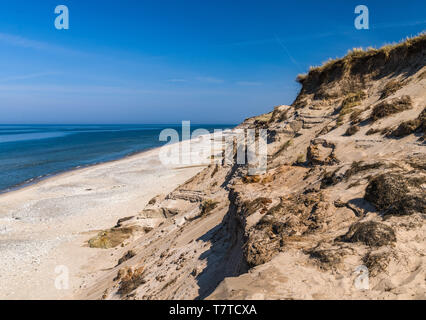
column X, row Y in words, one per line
column 30, row 153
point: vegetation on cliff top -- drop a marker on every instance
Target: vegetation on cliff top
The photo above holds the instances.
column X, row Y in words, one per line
column 359, row 54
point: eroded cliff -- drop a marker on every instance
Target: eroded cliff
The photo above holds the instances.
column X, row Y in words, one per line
column 344, row 193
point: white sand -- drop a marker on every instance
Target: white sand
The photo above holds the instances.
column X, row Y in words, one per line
column 47, row 225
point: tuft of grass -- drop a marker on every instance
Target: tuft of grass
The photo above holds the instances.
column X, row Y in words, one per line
column 128, row 255
column 130, row 280
column 359, row 166
column 411, row 126
column 279, row 115
column 301, row 77
column 390, row 107
column 152, row 201
column 215, row 170
column 385, row 130
column 268, row 178
column 370, row 233
column 283, row 116
column 390, row 88
column 352, row 130
column 261, row 203
column 396, row 194
column 340, row 120
column 354, row 117
column 372, row 131
column 301, row 158
column 207, row 206
column 263, row 119
column 251, row 179
column 284, row 147
column 376, row 262
column 330, row 178
column 405, row 128
column 328, row 259
column 351, row 100
column 110, row 238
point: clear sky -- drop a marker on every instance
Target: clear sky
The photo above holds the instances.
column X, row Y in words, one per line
column 208, row 61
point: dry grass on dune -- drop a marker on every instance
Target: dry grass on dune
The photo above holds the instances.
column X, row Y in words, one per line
column 356, row 54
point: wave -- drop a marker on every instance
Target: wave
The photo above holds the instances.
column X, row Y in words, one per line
column 32, row 136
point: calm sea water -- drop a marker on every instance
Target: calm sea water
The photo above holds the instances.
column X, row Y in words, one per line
column 32, row 152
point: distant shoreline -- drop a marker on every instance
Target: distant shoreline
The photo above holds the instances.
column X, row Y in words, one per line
column 35, row 180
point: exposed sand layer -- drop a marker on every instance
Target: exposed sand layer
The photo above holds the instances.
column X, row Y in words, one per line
column 47, row 225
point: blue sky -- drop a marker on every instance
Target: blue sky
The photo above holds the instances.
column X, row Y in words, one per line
column 167, row 61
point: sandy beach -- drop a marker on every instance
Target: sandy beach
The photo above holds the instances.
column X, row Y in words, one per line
column 45, row 226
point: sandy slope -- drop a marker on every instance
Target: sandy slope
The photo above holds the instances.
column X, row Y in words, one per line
column 48, row 224
column 339, row 214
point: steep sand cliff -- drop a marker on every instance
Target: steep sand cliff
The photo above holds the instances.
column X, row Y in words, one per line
column 343, row 196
